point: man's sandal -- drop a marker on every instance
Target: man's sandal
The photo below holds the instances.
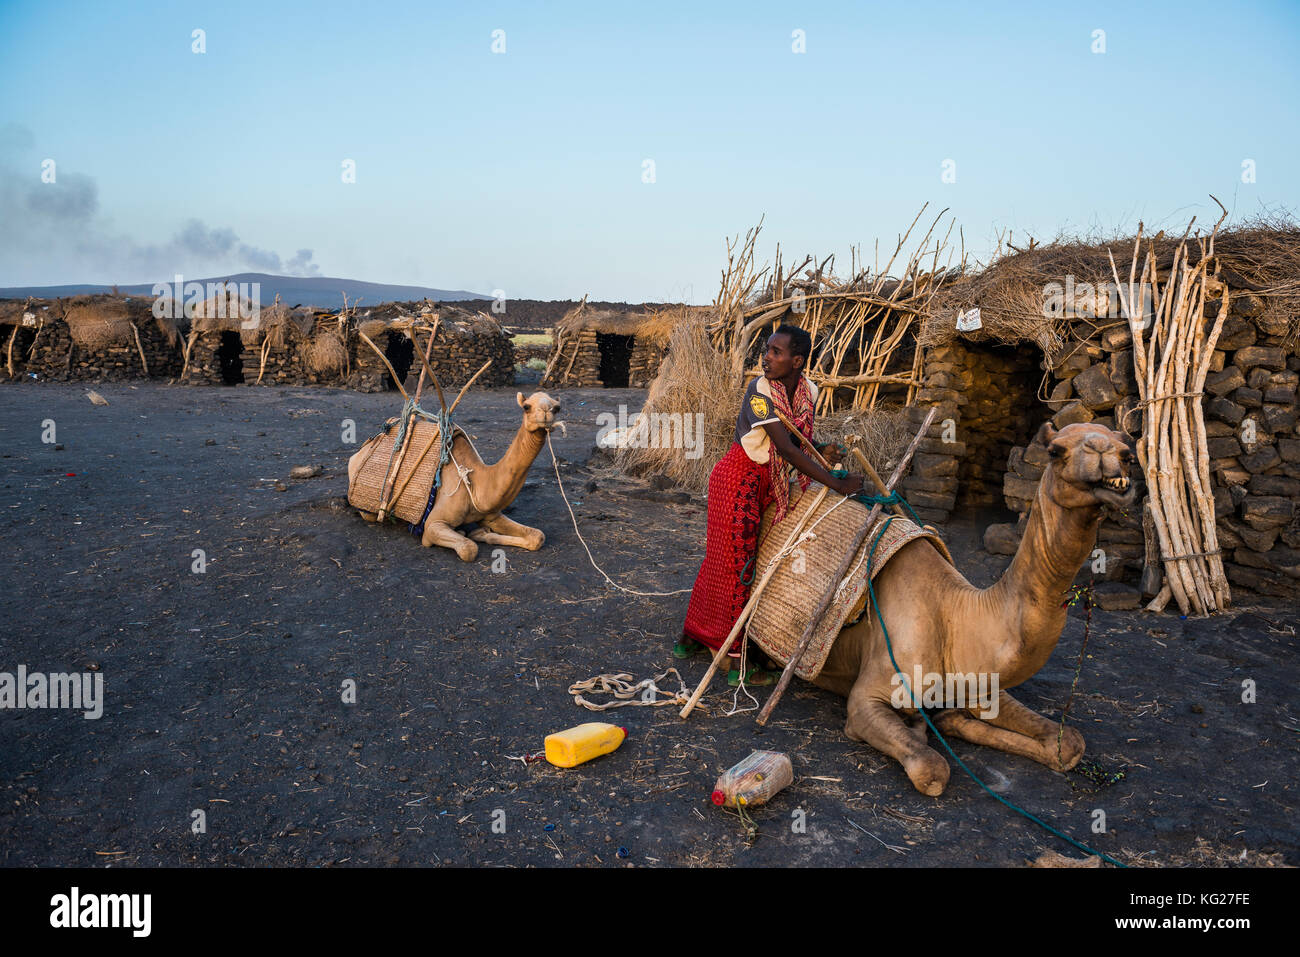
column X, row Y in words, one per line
column 687, row 648
column 757, row 677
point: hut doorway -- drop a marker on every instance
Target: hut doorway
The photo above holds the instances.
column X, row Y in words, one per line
column 229, row 357
column 1003, row 412
column 400, row 352
column 615, row 359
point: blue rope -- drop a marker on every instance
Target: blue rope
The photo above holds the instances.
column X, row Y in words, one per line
column 445, row 438
column 889, row 645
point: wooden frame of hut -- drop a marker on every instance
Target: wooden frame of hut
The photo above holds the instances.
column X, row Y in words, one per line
column 606, row 347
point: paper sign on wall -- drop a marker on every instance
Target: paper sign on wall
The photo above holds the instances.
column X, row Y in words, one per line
column 969, row 321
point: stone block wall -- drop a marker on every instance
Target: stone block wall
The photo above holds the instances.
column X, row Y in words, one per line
column 1253, row 440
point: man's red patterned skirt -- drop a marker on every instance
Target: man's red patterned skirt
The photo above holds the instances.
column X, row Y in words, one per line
column 739, row 491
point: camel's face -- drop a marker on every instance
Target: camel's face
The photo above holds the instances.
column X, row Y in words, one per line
column 540, row 411
column 1091, row 465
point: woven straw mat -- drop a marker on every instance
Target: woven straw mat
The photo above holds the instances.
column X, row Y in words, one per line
column 409, row 506
column 791, row 596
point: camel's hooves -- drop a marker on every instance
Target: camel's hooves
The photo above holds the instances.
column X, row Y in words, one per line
column 538, row 542
column 467, row 552
column 928, row 772
column 368, row 516
column 1071, row 750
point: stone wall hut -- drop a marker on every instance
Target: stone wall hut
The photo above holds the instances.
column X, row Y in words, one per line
column 20, row 319
column 221, row 347
column 464, row 342
column 1054, row 344
column 607, row 347
column 98, row 338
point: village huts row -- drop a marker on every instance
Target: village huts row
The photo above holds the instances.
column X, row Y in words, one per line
column 613, row 348
column 226, row 339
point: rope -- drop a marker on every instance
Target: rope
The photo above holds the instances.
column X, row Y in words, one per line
column 558, row 481
column 1123, row 422
column 930, row 724
column 626, row 693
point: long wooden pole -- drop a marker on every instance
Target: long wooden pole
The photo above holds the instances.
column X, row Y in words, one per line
column 843, row 570
column 748, row 610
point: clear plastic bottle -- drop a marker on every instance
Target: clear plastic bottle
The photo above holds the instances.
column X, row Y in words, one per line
column 567, row 749
column 754, row 780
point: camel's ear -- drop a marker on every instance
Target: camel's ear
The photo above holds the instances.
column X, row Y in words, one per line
column 1046, row 433
column 519, row 397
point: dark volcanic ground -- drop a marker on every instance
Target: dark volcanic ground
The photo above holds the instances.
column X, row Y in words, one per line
column 223, row 689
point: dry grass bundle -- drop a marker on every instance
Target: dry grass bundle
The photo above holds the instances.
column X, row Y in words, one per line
column 881, row 434
column 98, row 321
column 695, row 378
column 325, row 354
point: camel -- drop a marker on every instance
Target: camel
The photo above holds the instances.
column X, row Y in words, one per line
column 940, row 622
column 487, row 490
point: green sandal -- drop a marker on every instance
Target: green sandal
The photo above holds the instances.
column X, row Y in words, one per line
column 687, row 648
column 757, row 677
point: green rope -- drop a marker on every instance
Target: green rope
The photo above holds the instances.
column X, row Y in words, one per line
column 930, row 724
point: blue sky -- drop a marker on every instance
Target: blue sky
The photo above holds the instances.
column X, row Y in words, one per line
column 523, row 170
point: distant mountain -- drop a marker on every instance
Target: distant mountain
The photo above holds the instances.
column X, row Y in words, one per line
column 319, row 291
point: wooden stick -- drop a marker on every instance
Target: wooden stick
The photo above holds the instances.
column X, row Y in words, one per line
column 748, row 609
column 843, row 570
column 442, row 401
column 143, row 362
column 465, row 387
column 396, row 496
column 384, row 359
column 875, row 480
column 428, row 350
column 803, row 439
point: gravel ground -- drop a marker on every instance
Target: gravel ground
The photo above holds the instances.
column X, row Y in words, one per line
column 223, row 690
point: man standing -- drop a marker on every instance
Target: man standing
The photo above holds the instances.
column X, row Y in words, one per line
column 755, row 473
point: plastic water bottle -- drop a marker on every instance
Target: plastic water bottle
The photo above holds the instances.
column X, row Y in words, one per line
column 567, row 749
column 754, row 780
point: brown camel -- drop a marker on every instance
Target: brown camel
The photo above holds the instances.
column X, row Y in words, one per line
column 473, row 491
column 942, row 624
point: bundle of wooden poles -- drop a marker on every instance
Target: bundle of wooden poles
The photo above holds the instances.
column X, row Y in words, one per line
column 1173, row 343
column 858, row 324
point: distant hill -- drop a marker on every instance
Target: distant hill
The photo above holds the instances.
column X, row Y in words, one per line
column 319, row 291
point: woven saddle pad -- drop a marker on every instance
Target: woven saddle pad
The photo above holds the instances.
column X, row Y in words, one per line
column 419, row 464
column 802, row 578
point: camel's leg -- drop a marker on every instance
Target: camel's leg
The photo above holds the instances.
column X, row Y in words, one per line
column 879, row 725
column 368, row 516
column 1017, row 730
column 499, row 530
column 440, row 533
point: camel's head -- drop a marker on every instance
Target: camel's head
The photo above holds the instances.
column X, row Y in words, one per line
column 540, row 411
column 1091, row 465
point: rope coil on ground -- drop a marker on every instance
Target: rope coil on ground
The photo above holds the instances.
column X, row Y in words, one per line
column 644, row 693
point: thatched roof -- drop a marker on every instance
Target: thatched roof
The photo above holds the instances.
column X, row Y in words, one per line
column 1261, row 258
column 653, row 324
column 454, row 321
column 106, row 320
